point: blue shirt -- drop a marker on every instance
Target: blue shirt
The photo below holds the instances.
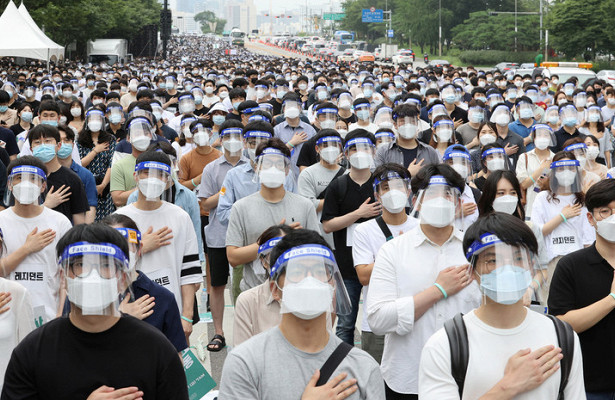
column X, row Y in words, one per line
column 187, row 200
column 523, row 131
column 166, row 316
column 239, row 183
column 285, row 132
column 89, row 183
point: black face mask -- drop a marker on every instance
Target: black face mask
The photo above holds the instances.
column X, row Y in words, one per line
column 253, row 80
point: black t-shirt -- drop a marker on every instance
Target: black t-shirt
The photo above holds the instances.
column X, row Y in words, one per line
column 582, row 278
column 277, row 106
column 459, row 114
column 236, row 117
column 60, row 361
column 409, row 155
column 352, row 119
column 202, row 112
column 308, row 155
column 340, row 202
column 120, row 134
column 17, row 129
column 8, row 137
column 561, row 136
column 78, row 201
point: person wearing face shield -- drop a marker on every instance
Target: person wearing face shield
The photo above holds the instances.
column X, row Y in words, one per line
column 362, row 110
column 306, row 281
column 185, row 106
column 146, row 300
column 560, row 212
column 492, row 158
column 532, row 348
column 192, row 163
column 256, row 310
column 392, row 189
column 344, row 107
column 579, row 149
column 314, row 180
column 420, row 276
column 458, row 157
column 94, row 268
column 276, row 206
column 349, row 200
column 175, row 264
column 280, row 88
column 594, row 125
column 569, row 119
column 522, row 126
column 513, row 143
column 131, row 94
column 449, row 97
column 469, row 131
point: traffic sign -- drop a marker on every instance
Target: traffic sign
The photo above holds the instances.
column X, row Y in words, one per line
column 372, row 16
column 389, row 33
column 333, row 16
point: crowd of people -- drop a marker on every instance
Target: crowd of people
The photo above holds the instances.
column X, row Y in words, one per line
column 470, row 210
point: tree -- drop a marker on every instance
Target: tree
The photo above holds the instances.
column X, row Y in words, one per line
column 210, row 23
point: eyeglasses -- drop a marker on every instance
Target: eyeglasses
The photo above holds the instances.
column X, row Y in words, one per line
column 318, row 271
column 605, row 212
column 81, row 269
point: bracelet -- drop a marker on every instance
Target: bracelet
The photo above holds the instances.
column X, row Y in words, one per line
column 292, row 146
column 187, row 319
column 612, row 295
column 441, row 289
column 563, row 217
column 532, row 178
column 192, row 180
column 538, row 283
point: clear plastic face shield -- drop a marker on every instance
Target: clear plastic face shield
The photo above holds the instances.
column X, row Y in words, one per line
column 501, row 116
column 326, row 117
column 495, row 159
column 593, row 114
column 569, row 116
column 310, row 282
column 291, row 109
column 198, row 94
column 264, row 250
column 133, row 237
column 360, row 153
column 141, row 133
column 460, row 162
column 493, row 99
column 552, row 116
column 95, row 120
column 532, row 94
column 201, row 135
column 384, row 138
column 505, row 271
column 543, row 136
column 476, row 115
column 25, row 185
column 565, row 177
column 232, row 142
column 449, row 95
column 362, row 111
column 438, row 204
column 443, row 130
column 96, row 274
column 525, row 110
column 153, row 179
column 184, row 126
column 266, row 107
column 392, row 191
column 344, row 101
column 252, row 140
column 384, row 118
column 580, row 152
column 407, row 127
column 580, row 100
column 330, row 149
column 272, row 166
column 115, row 114
column 437, row 110
column 186, row 104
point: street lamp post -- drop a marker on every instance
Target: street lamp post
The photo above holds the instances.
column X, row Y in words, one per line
column 515, row 26
column 439, row 28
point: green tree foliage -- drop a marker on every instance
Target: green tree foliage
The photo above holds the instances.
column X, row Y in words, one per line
column 210, row 23
column 65, row 21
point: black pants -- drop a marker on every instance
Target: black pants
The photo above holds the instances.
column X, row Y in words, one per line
column 391, row 395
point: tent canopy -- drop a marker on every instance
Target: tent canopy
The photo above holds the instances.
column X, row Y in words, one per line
column 21, row 37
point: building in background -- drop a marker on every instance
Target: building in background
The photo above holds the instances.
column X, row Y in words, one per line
column 240, row 14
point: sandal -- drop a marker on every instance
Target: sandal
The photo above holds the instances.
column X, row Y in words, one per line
column 217, row 343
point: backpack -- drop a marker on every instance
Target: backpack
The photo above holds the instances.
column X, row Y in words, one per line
column 458, row 340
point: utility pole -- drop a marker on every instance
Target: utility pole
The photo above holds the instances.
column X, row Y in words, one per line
column 440, row 28
column 164, row 28
column 516, row 26
column 541, row 44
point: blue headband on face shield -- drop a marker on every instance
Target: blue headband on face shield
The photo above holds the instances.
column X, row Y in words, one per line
column 355, row 141
column 326, row 111
column 271, row 150
column 257, row 134
column 230, row 131
column 385, row 133
column 456, row 154
column 575, row 146
column 438, row 180
column 29, row 169
column 389, row 176
column 565, row 163
column 83, row 248
column 485, row 240
column 301, row 251
column 266, row 247
column 495, row 150
column 153, row 165
column 328, row 139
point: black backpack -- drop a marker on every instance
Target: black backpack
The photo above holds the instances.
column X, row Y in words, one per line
column 458, row 340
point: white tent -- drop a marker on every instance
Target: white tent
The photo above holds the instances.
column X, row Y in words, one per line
column 20, row 37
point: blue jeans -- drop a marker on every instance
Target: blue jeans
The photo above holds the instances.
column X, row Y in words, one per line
column 600, row 395
column 346, row 323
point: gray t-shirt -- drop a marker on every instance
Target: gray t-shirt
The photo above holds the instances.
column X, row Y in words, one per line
column 252, row 215
column 467, row 133
column 268, row 367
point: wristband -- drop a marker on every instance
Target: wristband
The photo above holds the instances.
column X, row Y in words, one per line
column 292, row 146
column 538, row 283
column 532, row 178
column 192, row 180
column 441, row 289
column 612, row 295
column 563, row 217
column 187, row 319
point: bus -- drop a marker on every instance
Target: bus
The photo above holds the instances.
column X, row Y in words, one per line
column 343, row 37
column 238, row 37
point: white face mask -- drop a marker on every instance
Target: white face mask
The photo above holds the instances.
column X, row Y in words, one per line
column 486, row 139
column 566, row 177
column 151, row 188
column 461, row 170
column 361, row 160
column 95, row 126
column 394, row 201
column 209, row 89
column 26, row 192
column 437, row 212
column 582, row 161
column 201, row 139
column 75, row 112
column 444, row 135
column 327, row 124
column 342, row 132
column 502, row 120
column 407, row 131
column 272, row 177
column 232, row 145
column 140, row 143
column 506, row 204
column 542, row 143
column 260, row 94
column 292, row 112
column 330, row 154
column 606, row 228
column 307, row 299
column 495, row 164
column 592, row 152
column 92, row 294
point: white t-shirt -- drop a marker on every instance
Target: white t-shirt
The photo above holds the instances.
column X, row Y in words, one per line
column 174, row 265
column 366, row 241
column 16, row 323
column 490, row 348
column 371, row 127
column 567, row 236
column 38, row 272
